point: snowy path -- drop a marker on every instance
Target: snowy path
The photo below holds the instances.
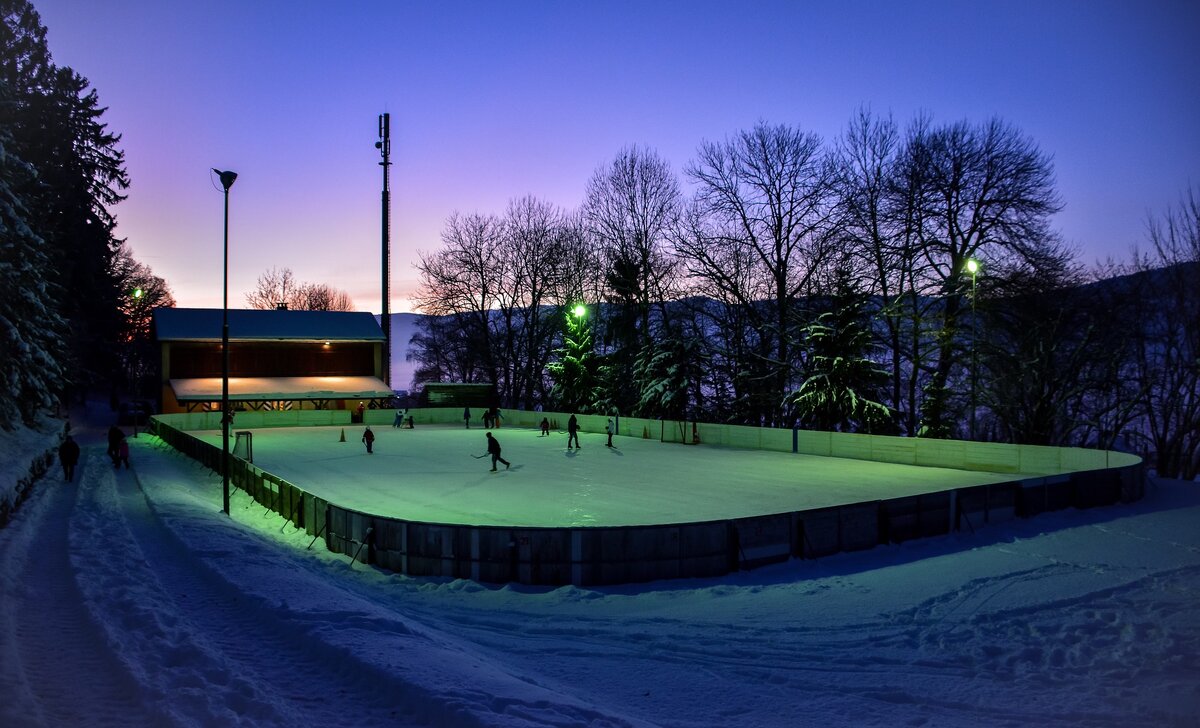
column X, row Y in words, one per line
column 54, row 654
column 131, row 600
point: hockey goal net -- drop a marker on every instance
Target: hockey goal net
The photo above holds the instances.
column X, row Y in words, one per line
column 243, row 446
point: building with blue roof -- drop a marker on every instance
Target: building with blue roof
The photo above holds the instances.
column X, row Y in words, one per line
column 278, row 359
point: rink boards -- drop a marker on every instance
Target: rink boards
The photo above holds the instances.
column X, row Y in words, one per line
column 622, row 553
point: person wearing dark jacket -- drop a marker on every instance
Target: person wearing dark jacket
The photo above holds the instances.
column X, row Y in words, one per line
column 573, row 433
column 369, row 438
column 114, row 444
column 68, row 455
column 494, row 451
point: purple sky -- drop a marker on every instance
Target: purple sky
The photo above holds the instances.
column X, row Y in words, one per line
column 491, row 101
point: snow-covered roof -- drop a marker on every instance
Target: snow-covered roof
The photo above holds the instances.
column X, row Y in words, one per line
column 204, row 324
column 208, row 389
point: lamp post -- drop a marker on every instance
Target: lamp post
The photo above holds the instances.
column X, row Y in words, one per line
column 134, row 370
column 973, row 269
column 227, row 179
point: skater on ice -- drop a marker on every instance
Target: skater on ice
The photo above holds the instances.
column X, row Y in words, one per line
column 467, row 417
column 573, row 433
column 545, row 428
column 494, row 450
column 369, row 438
column 611, row 429
column 399, row 419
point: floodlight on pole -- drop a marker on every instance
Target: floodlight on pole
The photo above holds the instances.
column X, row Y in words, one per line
column 972, row 267
column 227, row 180
column 580, row 310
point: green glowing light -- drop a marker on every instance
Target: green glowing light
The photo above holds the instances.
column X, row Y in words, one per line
column 972, row 266
column 580, row 310
column 137, row 293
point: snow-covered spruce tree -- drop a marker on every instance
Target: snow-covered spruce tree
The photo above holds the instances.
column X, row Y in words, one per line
column 55, row 124
column 574, row 373
column 666, row 373
column 30, row 328
column 844, row 385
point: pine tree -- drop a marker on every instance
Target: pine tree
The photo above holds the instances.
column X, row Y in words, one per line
column 574, row 373
column 30, row 329
column 54, row 120
column 844, row 384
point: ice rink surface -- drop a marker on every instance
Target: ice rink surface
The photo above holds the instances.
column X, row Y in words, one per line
column 431, row 474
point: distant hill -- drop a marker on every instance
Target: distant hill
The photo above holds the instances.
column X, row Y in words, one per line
column 404, row 325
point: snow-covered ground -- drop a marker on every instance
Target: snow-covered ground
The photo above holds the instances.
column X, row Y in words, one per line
column 127, row 598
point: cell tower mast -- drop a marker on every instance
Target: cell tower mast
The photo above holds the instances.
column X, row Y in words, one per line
column 384, row 145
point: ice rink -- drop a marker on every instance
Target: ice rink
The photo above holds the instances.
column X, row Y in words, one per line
column 431, row 474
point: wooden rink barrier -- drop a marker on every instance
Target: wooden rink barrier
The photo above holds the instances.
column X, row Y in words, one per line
column 614, row 554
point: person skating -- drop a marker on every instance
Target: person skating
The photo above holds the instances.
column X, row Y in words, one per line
column 369, row 438
column 573, row 433
column 545, row 428
column 398, row 421
column 68, row 455
column 467, row 417
column 611, row 430
column 494, row 450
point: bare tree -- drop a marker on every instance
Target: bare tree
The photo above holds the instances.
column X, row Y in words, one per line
column 279, row 287
column 880, row 235
column 982, row 191
column 276, row 286
column 321, row 297
column 530, row 300
column 767, row 198
column 1168, row 349
column 630, row 207
column 462, row 280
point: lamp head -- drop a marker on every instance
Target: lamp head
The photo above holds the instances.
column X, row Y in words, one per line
column 580, row 310
column 972, row 266
column 227, row 178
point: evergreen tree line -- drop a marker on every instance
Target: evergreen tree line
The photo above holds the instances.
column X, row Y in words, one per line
column 75, row 312
column 828, row 285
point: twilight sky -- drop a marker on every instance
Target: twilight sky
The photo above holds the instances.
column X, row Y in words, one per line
column 496, row 100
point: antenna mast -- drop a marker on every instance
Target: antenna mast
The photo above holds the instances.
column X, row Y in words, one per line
column 384, row 145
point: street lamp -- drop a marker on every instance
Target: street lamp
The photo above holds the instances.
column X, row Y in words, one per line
column 580, row 310
column 973, row 269
column 227, row 179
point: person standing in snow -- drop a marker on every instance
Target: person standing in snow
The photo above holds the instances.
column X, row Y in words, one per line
column 123, row 452
column 68, row 455
column 611, row 430
column 494, row 451
column 114, row 444
column 573, row 433
column 369, row 438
